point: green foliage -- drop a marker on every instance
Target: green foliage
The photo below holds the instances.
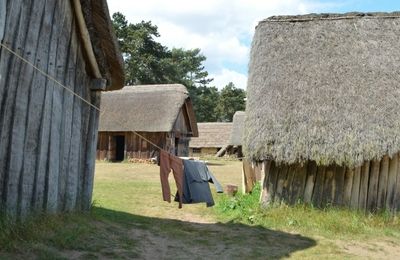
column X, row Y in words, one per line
column 306, row 219
column 231, row 99
column 149, row 62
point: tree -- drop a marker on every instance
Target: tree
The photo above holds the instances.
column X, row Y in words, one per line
column 231, row 99
column 146, row 61
column 205, row 103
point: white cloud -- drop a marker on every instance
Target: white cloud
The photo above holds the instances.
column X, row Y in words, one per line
column 222, row 29
column 225, row 76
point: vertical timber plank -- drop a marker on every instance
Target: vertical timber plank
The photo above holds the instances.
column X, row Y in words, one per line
column 383, row 182
column 329, row 186
column 362, row 199
column 393, row 165
column 310, row 183
column 264, row 196
column 339, row 185
column 396, row 199
column 319, row 186
column 280, row 182
column 355, row 190
column 373, row 186
column 348, row 185
column 37, row 96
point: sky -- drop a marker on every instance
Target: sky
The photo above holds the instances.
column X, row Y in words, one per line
column 223, row 29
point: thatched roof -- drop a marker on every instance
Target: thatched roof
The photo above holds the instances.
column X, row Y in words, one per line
column 147, row 108
column 236, row 137
column 214, row 135
column 324, row 88
column 104, row 42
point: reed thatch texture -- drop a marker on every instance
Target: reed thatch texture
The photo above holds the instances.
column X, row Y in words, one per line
column 214, row 135
column 104, row 42
column 324, row 88
column 146, row 108
column 236, row 137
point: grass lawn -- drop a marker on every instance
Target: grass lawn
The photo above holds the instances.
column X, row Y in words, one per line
column 130, row 220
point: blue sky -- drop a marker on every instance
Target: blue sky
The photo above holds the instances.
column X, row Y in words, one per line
column 223, row 29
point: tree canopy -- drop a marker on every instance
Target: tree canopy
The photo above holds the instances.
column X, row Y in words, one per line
column 149, row 62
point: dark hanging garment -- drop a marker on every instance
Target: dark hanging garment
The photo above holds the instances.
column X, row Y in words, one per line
column 195, row 183
column 169, row 162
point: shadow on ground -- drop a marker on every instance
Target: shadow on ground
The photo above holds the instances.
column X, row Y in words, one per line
column 156, row 238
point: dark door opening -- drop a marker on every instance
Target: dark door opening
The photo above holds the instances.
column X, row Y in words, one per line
column 120, row 148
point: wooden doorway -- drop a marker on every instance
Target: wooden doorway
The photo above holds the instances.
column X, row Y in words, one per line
column 119, row 148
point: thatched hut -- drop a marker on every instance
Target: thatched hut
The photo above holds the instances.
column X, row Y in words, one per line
column 163, row 114
column 236, row 136
column 47, row 135
column 212, row 137
column 323, row 111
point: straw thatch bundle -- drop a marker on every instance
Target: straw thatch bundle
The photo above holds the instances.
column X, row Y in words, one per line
column 146, row 108
column 214, row 134
column 324, row 88
column 236, row 137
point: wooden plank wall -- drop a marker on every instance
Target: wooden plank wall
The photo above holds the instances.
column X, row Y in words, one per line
column 135, row 147
column 47, row 136
column 375, row 186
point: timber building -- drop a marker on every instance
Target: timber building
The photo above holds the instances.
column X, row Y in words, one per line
column 163, row 114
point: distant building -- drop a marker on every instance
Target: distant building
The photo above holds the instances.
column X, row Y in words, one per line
column 161, row 113
column 212, row 137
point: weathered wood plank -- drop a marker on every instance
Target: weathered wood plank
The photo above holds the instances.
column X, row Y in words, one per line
column 348, row 185
column 288, row 185
column 362, row 199
column 281, row 181
column 339, row 185
column 396, row 199
column 3, row 15
column 73, row 168
column 45, row 13
column 373, row 186
column 18, row 107
column 329, row 186
column 9, row 66
column 92, row 140
column 41, row 188
column 319, row 186
column 56, row 116
column 264, row 196
column 298, row 183
column 310, row 184
column 355, row 190
column 393, row 164
column 273, row 176
column 383, row 182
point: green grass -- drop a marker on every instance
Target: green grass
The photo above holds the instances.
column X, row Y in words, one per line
column 305, row 219
column 130, row 220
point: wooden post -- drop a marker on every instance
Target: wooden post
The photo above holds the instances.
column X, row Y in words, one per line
column 348, row 184
column 319, row 186
column 383, row 182
column 3, row 15
column 373, row 186
column 281, row 181
column 311, row 177
column 393, row 164
column 329, row 186
column 396, row 198
column 288, row 186
column 264, row 196
column 355, row 190
column 362, row 199
column 339, row 184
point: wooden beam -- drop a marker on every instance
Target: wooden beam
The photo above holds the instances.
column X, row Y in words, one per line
column 98, row 84
column 85, row 36
column 3, row 15
column 393, row 165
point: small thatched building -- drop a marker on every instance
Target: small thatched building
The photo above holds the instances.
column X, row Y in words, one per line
column 236, row 136
column 47, row 135
column 323, row 110
column 163, row 114
column 212, row 137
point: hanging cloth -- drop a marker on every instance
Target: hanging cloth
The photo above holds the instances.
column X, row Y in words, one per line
column 170, row 162
column 195, row 185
